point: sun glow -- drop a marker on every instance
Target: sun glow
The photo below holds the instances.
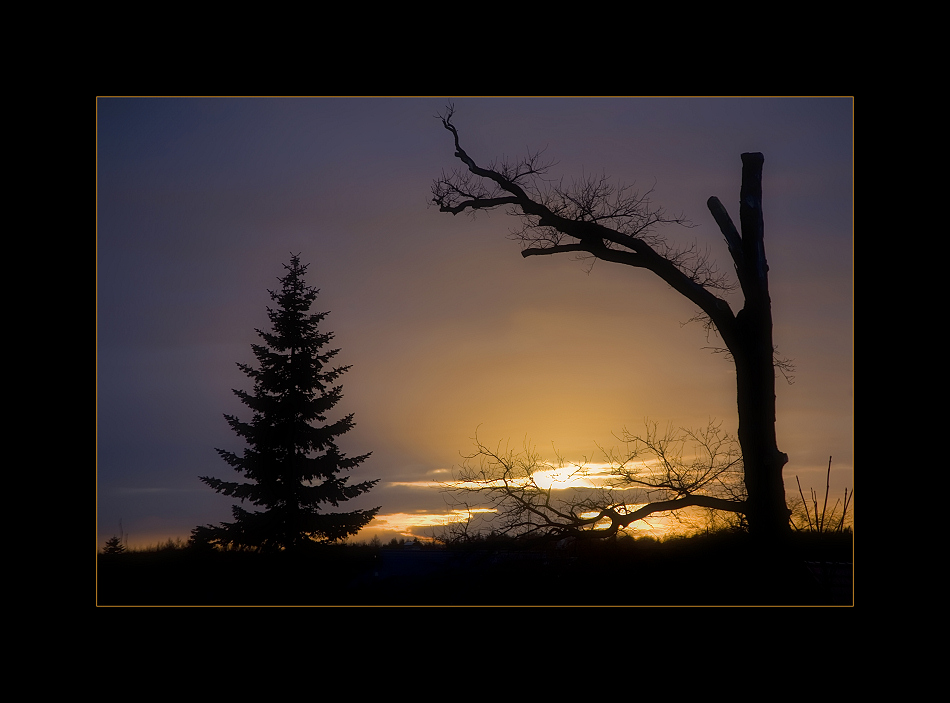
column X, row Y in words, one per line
column 590, row 475
column 405, row 522
column 545, row 476
column 586, row 476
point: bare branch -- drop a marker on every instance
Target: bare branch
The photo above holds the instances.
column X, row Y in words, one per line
column 590, row 215
column 656, row 473
column 728, row 229
column 784, row 365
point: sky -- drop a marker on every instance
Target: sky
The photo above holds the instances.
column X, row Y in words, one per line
column 448, row 330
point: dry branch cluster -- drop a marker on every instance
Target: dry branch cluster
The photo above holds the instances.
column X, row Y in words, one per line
column 600, row 215
column 655, row 473
column 821, row 520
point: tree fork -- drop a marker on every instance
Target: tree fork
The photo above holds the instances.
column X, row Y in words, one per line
column 753, row 353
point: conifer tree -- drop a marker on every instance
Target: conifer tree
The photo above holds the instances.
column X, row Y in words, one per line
column 292, row 464
column 114, row 546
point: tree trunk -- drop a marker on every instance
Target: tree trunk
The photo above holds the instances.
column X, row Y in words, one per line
column 753, row 353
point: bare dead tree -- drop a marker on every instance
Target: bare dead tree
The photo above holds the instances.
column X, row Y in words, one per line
column 595, row 219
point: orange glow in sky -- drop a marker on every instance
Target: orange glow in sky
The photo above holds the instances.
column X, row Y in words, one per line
column 448, row 330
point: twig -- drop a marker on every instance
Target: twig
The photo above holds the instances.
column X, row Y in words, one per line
column 824, row 508
column 803, row 502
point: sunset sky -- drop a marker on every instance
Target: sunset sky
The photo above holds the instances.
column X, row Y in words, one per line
column 448, row 329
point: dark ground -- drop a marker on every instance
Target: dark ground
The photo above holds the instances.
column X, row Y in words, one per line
column 711, row 570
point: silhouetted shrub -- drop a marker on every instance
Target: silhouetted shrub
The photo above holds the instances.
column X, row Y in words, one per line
column 114, row 546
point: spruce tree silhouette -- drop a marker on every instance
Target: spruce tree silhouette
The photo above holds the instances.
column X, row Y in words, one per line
column 292, row 464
